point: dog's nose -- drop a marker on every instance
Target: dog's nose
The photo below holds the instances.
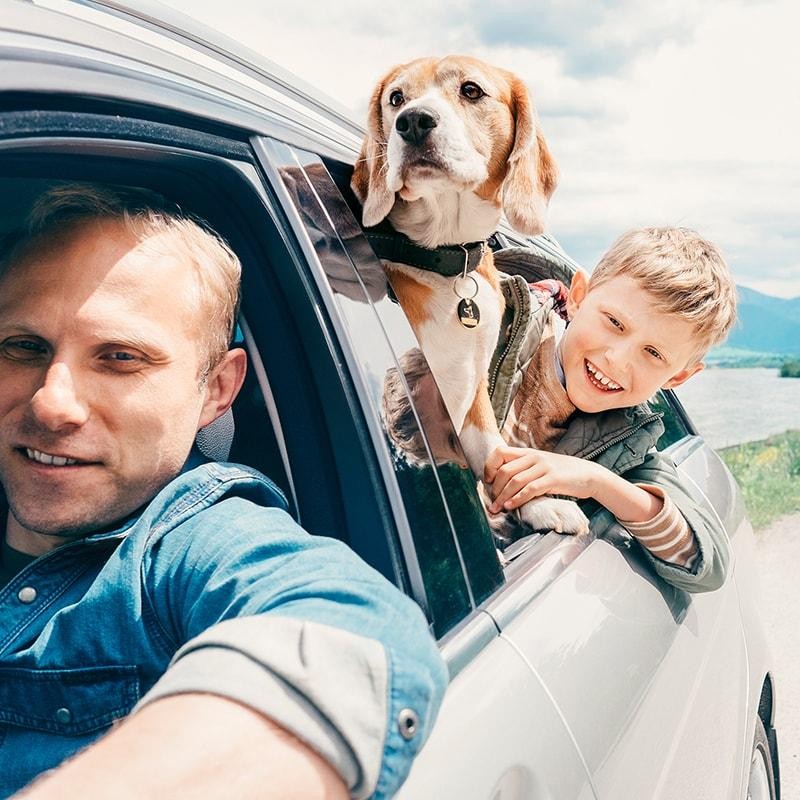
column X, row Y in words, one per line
column 415, row 124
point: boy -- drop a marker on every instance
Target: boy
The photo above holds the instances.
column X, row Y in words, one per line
column 657, row 301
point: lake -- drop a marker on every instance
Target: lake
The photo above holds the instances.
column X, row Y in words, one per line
column 731, row 406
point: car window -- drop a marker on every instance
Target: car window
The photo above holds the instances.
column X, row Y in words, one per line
column 676, row 422
column 458, row 561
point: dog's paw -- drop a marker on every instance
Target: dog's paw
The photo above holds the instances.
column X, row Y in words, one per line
column 552, row 514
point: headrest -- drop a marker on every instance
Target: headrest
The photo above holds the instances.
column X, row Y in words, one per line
column 216, row 439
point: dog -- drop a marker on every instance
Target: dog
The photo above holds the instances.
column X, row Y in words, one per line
column 450, row 144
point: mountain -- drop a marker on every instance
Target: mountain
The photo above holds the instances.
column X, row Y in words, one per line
column 766, row 326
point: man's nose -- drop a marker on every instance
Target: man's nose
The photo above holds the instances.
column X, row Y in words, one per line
column 56, row 404
column 415, row 124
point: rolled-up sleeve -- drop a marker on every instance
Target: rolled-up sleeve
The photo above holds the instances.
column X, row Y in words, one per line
column 298, row 628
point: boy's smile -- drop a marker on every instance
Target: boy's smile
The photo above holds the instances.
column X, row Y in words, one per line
column 619, row 348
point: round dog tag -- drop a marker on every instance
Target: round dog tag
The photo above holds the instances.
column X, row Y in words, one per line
column 469, row 314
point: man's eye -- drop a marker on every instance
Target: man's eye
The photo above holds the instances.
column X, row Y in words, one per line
column 121, row 359
column 615, row 322
column 396, row 98
column 23, row 349
column 654, row 352
column 472, row 91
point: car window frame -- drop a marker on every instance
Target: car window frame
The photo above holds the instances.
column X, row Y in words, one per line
column 87, row 154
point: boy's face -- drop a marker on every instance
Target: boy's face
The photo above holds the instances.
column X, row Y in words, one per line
column 619, row 349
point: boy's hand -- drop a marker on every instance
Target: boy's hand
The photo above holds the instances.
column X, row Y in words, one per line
column 518, row 474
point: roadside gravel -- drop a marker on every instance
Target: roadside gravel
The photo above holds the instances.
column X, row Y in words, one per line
column 778, row 553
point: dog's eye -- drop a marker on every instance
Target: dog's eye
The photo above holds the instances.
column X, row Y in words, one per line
column 472, row 91
column 396, row 98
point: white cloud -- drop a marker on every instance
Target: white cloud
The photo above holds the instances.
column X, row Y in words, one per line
column 680, row 113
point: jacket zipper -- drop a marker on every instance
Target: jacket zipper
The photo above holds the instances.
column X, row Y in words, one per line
column 622, row 436
column 517, row 322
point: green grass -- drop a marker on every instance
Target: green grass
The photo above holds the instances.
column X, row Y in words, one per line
column 790, row 369
column 769, row 474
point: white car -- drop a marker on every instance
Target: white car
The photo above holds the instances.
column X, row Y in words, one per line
column 576, row 673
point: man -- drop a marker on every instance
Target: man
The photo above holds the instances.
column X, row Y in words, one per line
column 259, row 661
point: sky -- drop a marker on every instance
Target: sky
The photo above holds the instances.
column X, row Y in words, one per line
column 681, row 112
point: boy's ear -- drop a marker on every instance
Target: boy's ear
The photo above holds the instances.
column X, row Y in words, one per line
column 681, row 377
column 578, row 290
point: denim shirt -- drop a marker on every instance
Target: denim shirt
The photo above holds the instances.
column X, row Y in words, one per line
column 213, row 587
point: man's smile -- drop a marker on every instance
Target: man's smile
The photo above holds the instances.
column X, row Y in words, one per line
column 52, row 459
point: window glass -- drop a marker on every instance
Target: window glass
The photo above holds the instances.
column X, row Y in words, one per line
column 675, row 424
column 451, row 537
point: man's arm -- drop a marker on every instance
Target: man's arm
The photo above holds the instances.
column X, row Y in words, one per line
column 193, row 746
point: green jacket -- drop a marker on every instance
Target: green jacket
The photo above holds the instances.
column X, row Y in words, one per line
column 622, row 440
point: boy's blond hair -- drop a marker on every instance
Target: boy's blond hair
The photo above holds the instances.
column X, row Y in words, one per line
column 685, row 274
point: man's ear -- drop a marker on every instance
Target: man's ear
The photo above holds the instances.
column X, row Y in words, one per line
column 222, row 385
column 681, row 377
column 578, row 290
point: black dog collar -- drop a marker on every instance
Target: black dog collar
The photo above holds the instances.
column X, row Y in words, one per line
column 448, row 260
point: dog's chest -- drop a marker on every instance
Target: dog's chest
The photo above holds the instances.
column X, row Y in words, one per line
column 432, row 303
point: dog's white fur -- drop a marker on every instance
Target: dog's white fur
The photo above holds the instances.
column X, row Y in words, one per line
column 481, row 157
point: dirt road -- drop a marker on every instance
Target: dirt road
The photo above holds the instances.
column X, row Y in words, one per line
column 778, row 552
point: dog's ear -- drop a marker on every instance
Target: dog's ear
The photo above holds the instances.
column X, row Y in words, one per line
column 532, row 173
column 369, row 183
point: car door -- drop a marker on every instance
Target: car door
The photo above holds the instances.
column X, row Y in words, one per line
column 498, row 734
column 651, row 681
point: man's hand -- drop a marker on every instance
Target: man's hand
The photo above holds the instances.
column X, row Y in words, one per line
column 193, row 746
column 518, row 474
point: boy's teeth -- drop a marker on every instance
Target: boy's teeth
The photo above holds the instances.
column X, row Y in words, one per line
column 46, row 458
column 600, row 378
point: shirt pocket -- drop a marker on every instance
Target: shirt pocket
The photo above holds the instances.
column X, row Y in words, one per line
column 68, row 702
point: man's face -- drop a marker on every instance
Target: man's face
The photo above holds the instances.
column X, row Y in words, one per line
column 100, row 396
column 619, row 349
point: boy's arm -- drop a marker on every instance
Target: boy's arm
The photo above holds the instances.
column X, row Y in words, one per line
column 683, row 540
column 712, row 562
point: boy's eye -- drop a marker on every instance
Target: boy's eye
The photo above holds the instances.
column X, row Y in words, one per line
column 654, row 352
column 23, row 349
column 614, row 321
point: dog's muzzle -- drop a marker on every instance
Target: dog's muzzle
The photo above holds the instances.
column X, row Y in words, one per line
column 415, row 124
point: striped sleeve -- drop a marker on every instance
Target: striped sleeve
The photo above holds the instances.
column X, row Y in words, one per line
column 667, row 535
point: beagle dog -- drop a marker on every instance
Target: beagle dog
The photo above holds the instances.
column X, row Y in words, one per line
column 451, row 143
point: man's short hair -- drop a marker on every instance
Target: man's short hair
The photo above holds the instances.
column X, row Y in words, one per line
column 145, row 214
column 684, row 273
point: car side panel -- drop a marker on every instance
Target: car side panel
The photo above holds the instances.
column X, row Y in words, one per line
column 629, row 662
column 498, row 736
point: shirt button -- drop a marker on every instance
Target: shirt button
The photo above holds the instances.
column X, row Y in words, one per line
column 27, row 594
column 408, row 723
column 64, row 716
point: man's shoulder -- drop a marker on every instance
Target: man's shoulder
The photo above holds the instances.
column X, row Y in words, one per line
column 207, row 496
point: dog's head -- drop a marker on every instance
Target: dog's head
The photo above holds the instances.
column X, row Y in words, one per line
column 456, row 122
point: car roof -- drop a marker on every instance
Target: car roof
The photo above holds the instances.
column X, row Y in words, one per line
column 146, row 53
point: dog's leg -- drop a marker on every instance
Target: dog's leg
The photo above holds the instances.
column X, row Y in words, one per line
column 479, row 437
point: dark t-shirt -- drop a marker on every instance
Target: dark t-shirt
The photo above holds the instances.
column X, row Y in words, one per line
column 11, row 562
